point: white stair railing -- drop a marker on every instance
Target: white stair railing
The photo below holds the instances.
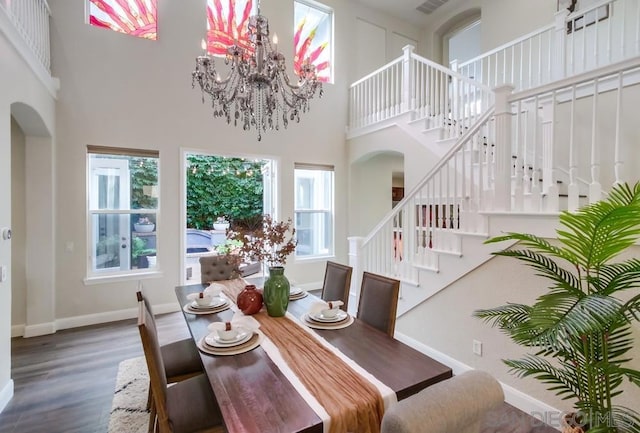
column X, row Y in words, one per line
column 413, row 84
column 577, row 131
column 606, row 32
column 524, row 62
column 31, row 20
column 445, row 203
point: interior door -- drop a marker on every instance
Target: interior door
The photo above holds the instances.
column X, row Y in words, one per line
column 110, row 193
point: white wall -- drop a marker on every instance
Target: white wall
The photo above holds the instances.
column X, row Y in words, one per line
column 445, row 323
column 120, row 91
column 18, row 84
column 502, row 21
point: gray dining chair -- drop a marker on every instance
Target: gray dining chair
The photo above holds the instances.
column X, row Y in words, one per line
column 219, row 267
column 379, row 302
column 188, row 406
column 181, row 359
column 457, row 405
column 337, row 280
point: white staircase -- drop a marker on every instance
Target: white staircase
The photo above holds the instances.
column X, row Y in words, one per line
column 508, row 161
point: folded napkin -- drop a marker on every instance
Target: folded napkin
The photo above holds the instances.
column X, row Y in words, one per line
column 214, row 289
column 239, row 320
column 319, row 306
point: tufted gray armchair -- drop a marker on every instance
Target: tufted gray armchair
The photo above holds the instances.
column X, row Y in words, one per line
column 457, row 405
column 218, row 267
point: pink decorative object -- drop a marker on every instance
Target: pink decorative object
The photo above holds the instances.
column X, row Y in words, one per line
column 249, row 300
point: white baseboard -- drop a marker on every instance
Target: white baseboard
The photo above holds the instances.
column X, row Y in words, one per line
column 534, row 407
column 17, row 330
column 39, row 329
column 6, row 395
column 111, row 316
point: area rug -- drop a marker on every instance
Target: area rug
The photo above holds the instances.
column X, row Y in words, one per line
column 128, row 410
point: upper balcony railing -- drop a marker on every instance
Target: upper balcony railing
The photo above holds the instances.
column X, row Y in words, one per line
column 413, row 84
column 596, row 36
column 31, row 20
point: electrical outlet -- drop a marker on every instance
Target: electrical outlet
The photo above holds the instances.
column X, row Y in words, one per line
column 477, row 347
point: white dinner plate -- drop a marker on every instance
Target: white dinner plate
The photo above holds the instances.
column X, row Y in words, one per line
column 341, row 315
column 308, row 321
column 295, row 291
column 215, row 303
column 188, row 309
column 215, row 341
column 254, row 341
column 298, row 296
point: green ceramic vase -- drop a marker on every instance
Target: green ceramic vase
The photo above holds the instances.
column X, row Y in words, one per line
column 276, row 292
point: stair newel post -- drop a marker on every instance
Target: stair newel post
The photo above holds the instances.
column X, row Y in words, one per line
column 356, row 261
column 502, row 149
column 549, row 185
column 408, row 101
column 558, row 64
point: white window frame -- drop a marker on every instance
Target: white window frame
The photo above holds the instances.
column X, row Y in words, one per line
column 125, row 211
column 319, row 232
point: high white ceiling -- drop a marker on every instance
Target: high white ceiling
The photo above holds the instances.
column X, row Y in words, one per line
column 405, row 9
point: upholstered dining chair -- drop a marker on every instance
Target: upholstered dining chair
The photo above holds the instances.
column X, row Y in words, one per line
column 218, row 267
column 181, row 359
column 379, row 301
column 188, row 406
column 337, row 280
column 457, row 405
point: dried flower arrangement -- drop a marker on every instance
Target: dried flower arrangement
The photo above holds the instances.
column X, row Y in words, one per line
column 272, row 243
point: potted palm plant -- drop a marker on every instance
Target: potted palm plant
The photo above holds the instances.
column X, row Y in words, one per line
column 580, row 329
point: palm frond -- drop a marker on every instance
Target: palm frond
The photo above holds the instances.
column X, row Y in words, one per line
column 546, row 267
column 626, row 420
column 560, row 381
column 602, row 230
column 533, row 242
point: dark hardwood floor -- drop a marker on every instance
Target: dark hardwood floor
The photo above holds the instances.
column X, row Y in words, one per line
column 64, row 382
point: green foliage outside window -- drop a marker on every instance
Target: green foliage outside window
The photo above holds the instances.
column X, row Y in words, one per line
column 216, row 187
column 219, row 186
column 143, row 172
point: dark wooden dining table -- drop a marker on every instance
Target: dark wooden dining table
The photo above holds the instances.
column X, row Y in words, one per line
column 255, row 396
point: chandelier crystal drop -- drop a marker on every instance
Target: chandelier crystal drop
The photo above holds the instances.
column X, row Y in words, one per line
column 257, row 92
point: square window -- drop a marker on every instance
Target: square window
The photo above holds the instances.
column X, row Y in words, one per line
column 132, row 17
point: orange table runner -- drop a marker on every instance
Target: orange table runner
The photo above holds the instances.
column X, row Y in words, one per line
column 353, row 403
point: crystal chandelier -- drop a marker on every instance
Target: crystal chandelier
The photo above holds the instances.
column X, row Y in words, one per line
column 257, row 92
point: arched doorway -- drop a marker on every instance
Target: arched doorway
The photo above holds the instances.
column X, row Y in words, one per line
column 32, row 216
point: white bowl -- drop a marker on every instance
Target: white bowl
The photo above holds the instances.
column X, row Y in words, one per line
column 225, row 335
column 330, row 313
column 204, row 300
